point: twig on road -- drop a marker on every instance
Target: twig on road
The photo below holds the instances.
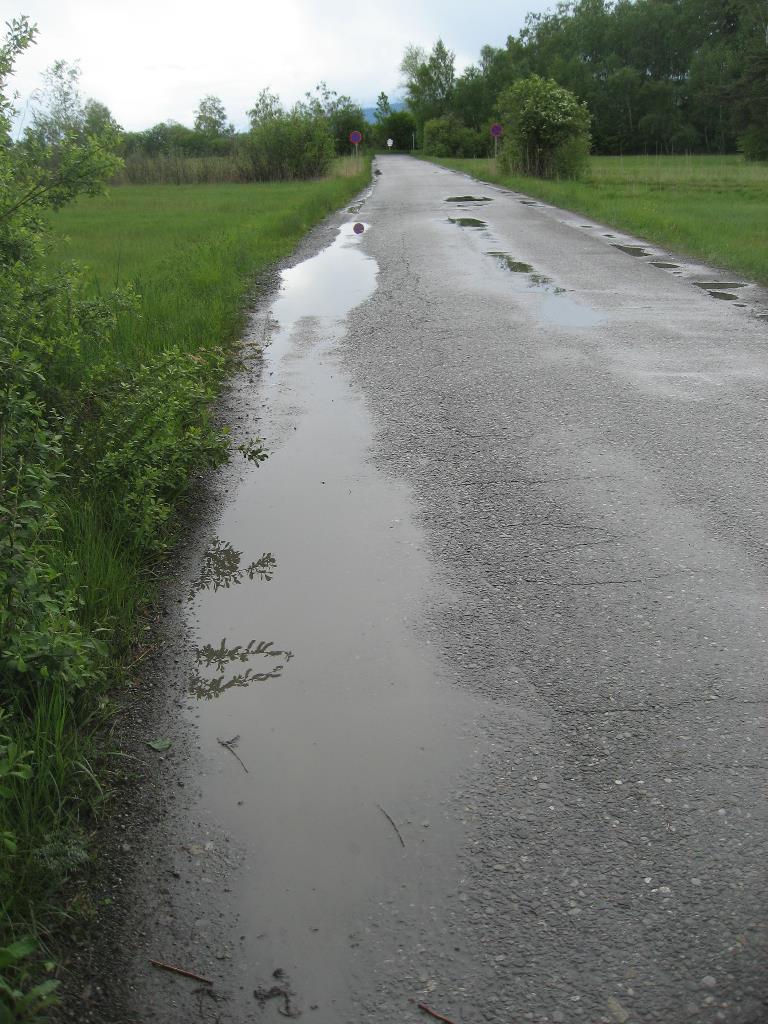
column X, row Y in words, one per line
column 229, row 745
column 394, row 826
column 433, row 1013
column 180, row 970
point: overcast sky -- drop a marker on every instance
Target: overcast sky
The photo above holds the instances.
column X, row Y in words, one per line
column 150, row 60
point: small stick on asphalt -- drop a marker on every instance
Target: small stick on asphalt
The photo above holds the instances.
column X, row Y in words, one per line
column 231, row 749
column 180, row 970
column 434, row 1013
column 391, row 822
column 144, row 653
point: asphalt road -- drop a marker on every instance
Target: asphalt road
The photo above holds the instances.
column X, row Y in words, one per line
column 515, row 769
column 591, row 477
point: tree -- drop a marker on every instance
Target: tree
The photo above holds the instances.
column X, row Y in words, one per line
column 57, row 108
column 429, row 81
column 283, row 145
column 266, row 108
column 546, row 129
column 343, row 116
column 211, row 117
column 98, row 119
column 59, row 114
column 383, row 108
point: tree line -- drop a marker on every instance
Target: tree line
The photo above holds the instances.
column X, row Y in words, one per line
column 656, row 76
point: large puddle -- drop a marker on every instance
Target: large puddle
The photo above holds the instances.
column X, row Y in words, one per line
column 330, row 737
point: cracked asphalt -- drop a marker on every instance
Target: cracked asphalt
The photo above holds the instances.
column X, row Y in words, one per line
column 594, row 498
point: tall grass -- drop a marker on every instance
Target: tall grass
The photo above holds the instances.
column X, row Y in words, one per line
column 177, row 169
column 712, row 208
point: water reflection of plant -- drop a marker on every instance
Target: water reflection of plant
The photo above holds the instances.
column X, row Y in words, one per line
column 221, row 568
column 222, row 656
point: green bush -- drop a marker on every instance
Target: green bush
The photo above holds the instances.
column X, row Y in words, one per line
column 150, row 432
column 449, row 136
column 546, row 130
column 41, row 642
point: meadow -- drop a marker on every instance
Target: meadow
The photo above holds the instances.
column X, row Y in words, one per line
column 712, row 208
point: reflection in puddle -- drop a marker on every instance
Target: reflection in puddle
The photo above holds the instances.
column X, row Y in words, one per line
column 221, row 568
column 540, row 282
column 468, row 222
column 727, row 296
column 664, row 265
column 556, row 307
column 468, row 199
column 222, row 657
column 630, row 250
column 529, row 202
column 513, row 265
column 717, row 285
column 326, row 286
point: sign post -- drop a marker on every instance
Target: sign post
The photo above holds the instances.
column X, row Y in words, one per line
column 356, row 138
column 496, row 132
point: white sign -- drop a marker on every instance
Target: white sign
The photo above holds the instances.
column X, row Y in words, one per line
column 390, row 143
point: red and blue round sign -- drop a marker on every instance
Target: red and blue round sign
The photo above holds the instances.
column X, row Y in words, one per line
column 355, row 137
column 496, row 130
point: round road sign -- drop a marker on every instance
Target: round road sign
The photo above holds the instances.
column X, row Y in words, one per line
column 355, row 137
column 496, row 130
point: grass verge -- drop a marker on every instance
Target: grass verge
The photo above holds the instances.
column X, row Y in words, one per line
column 712, row 208
column 121, row 417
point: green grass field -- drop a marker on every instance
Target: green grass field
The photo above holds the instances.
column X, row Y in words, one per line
column 713, row 208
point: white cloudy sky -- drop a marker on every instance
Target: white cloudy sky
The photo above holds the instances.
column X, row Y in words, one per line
column 150, row 60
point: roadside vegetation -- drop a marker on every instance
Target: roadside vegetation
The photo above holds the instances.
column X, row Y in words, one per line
column 119, row 317
column 713, row 208
column 280, row 145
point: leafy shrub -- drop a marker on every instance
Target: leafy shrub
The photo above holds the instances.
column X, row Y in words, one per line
column 546, row 129
column 41, row 642
column 149, row 433
column 449, row 136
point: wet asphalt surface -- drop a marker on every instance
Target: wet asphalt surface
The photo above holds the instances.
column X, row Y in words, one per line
column 514, row 766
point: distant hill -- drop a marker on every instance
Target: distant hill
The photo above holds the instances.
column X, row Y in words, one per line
column 370, row 111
